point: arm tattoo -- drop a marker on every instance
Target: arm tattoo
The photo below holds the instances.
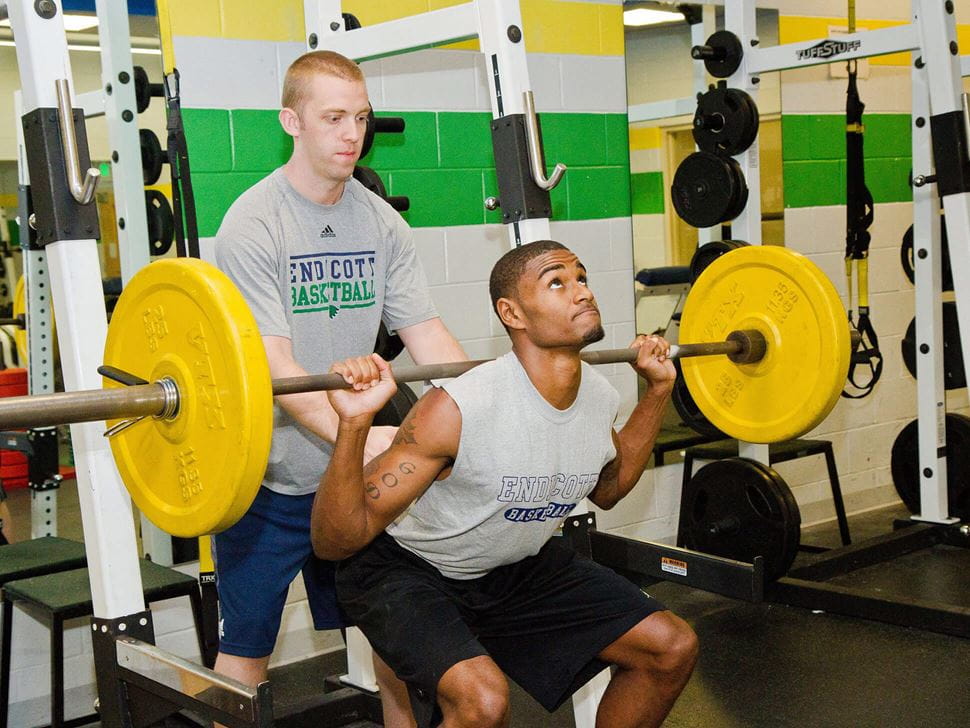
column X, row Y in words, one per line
column 405, row 433
column 389, row 480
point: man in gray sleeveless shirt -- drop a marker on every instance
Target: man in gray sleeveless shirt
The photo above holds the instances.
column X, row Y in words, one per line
column 451, row 568
column 321, row 262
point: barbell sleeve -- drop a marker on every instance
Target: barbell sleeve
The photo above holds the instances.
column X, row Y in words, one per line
column 160, row 398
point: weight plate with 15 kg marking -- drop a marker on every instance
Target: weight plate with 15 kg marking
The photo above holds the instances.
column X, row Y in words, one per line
column 199, row 472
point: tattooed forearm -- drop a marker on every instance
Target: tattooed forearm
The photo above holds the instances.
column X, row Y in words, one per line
column 372, row 491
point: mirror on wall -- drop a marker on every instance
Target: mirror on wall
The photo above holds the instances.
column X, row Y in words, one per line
column 662, row 83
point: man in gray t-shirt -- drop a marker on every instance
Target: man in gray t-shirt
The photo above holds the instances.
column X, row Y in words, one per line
column 449, row 563
column 321, row 261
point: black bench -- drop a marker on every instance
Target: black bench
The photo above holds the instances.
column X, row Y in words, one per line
column 58, row 597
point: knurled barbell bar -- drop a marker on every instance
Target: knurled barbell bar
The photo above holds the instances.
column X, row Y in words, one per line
column 200, row 382
column 162, row 399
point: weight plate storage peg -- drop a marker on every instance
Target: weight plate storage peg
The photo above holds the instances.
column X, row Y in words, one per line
column 708, row 190
column 739, row 509
column 792, row 303
column 185, row 321
column 904, row 465
column 726, row 121
column 721, row 53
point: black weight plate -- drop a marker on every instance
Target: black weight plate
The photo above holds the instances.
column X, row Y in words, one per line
column 161, row 222
column 909, row 268
column 143, row 89
column 732, row 52
column 152, row 156
column 726, row 121
column 388, row 345
column 738, row 509
column 709, row 252
column 708, row 190
column 740, row 198
column 350, row 21
column 688, row 410
column 954, row 375
column 371, row 180
column 904, row 465
column 393, row 413
column 369, row 132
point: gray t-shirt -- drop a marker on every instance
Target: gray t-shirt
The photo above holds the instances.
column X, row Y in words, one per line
column 323, row 276
column 521, row 468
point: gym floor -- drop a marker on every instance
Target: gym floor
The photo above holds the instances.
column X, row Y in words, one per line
column 764, row 665
column 773, row 666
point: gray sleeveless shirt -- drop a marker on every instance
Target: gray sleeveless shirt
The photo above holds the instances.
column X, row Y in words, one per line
column 522, row 466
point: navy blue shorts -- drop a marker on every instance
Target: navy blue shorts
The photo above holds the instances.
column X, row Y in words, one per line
column 543, row 620
column 256, row 559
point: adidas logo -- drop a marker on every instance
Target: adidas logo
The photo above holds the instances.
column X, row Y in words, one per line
column 328, row 232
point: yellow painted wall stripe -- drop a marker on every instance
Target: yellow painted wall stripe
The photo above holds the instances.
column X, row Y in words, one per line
column 799, row 28
column 8, row 201
column 644, row 137
column 189, row 17
column 165, row 36
column 550, row 26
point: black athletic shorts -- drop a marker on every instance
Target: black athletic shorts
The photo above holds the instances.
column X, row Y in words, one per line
column 542, row 620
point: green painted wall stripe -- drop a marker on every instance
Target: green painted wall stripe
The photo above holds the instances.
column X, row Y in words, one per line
column 647, row 193
column 442, row 161
column 813, row 147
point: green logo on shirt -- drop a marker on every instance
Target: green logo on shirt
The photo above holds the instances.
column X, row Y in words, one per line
column 332, row 281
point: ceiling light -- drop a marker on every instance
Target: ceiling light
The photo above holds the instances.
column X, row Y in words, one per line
column 647, row 16
column 72, row 22
column 96, row 48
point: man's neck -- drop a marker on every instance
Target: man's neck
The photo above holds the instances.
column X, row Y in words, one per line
column 555, row 373
column 310, row 186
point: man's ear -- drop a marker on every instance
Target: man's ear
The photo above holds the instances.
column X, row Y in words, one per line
column 510, row 314
column 290, row 121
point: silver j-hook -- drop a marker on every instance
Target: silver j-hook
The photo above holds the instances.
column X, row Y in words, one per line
column 535, row 150
column 82, row 190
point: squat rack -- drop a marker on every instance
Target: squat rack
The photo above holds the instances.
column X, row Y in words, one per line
column 136, row 680
column 940, row 135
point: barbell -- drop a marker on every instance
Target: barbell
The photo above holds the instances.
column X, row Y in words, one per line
column 189, row 397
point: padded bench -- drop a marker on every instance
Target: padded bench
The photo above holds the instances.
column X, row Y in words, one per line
column 59, row 597
column 673, row 438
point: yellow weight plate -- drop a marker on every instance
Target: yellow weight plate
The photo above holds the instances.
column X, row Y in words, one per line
column 794, row 305
column 199, row 472
column 19, row 334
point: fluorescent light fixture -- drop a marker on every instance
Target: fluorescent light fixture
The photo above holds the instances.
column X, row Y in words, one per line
column 72, row 22
column 647, row 16
column 96, row 48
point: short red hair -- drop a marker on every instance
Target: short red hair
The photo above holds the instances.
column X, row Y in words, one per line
column 310, row 64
